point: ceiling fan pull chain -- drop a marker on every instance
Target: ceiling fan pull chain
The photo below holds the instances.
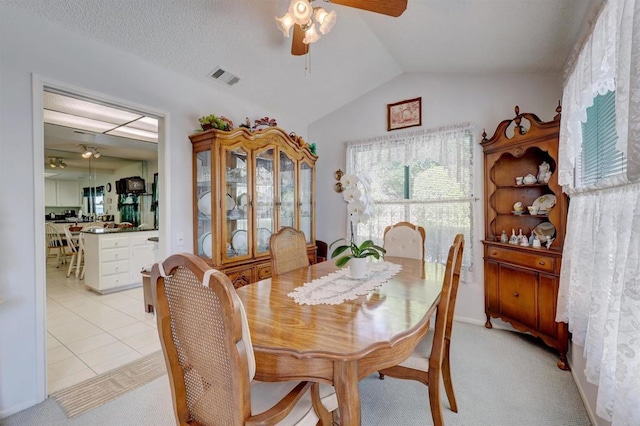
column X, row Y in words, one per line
column 307, row 64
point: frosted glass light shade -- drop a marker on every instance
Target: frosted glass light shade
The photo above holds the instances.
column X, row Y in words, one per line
column 285, row 23
column 311, row 35
column 325, row 19
column 300, row 11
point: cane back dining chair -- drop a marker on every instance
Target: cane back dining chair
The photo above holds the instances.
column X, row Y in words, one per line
column 288, row 248
column 72, row 244
column 207, row 348
column 404, row 239
column 55, row 244
column 430, row 359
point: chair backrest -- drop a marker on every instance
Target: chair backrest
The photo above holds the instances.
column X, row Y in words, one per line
column 205, row 340
column 458, row 241
column 70, row 241
column 53, row 236
column 444, row 315
column 404, row 239
column 288, row 248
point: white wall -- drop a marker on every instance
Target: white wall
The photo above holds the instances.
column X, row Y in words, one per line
column 31, row 46
column 447, row 99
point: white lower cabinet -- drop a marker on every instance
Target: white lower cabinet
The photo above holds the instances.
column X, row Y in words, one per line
column 114, row 260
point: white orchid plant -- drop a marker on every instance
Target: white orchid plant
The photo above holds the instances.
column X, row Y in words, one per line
column 359, row 207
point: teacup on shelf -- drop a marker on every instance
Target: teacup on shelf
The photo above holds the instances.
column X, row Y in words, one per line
column 533, row 210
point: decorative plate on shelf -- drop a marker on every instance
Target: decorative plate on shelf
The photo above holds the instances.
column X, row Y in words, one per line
column 239, row 241
column 206, row 244
column 518, row 212
column 545, row 202
column 544, row 231
column 204, row 203
column 264, row 235
column 230, row 202
column 242, row 200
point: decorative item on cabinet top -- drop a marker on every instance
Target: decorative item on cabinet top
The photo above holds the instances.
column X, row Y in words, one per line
column 214, row 122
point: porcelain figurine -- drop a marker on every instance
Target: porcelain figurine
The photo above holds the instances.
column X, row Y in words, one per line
column 514, row 238
column 503, row 237
column 524, row 241
column 529, row 179
column 536, row 242
column 544, row 172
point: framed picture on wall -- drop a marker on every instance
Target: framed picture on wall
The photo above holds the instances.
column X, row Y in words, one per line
column 403, row 114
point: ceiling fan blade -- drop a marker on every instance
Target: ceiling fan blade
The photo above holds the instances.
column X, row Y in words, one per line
column 385, row 7
column 297, row 46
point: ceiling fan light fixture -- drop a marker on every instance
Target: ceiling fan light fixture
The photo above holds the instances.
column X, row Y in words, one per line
column 56, row 162
column 311, row 35
column 88, row 151
column 326, row 19
column 300, row 11
column 285, row 23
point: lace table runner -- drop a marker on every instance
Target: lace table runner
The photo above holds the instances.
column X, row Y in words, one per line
column 337, row 287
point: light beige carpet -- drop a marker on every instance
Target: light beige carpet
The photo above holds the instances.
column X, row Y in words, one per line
column 99, row 390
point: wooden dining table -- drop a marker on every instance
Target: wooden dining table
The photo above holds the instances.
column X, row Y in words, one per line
column 344, row 343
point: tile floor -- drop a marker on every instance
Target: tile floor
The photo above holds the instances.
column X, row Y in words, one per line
column 89, row 333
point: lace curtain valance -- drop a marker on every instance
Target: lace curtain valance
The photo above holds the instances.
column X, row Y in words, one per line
column 609, row 60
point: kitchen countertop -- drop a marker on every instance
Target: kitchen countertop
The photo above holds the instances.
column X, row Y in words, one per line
column 115, row 230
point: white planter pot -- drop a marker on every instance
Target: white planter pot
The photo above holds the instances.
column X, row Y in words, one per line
column 358, row 268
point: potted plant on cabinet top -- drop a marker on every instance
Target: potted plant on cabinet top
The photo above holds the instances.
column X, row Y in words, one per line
column 214, row 122
column 359, row 207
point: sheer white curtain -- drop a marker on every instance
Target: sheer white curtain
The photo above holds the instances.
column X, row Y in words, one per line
column 423, row 177
column 599, row 293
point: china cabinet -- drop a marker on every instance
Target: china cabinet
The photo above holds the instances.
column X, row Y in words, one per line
column 521, row 279
column 247, row 186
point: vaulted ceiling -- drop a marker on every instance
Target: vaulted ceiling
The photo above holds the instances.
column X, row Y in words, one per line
column 363, row 50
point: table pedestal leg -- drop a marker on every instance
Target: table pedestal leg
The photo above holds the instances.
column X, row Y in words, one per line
column 345, row 381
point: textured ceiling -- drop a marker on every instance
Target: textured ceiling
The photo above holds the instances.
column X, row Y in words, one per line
column 363, row 51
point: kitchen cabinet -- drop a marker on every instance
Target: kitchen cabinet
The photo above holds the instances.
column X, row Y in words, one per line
column 521, row 282
column 114, row 259
column 61, row 193
column 247, row 186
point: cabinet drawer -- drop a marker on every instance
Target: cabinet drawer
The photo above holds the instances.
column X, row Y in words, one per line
column 107, row 243
column 141, row 240
column 113, row 281
column 535, row 261
column 264, row 271
column 110, row 255
column 116, row 267
column 240, row 276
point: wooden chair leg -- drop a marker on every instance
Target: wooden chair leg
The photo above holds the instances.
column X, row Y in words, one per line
column 323, row 414
column 71, row 263
column 446, row 377
column 434, row 397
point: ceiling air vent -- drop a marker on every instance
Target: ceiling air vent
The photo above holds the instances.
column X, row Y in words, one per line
column 224, row 76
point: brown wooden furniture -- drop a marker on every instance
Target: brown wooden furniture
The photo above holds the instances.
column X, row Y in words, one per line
column 521, row 283
column 431, row 356
column 146, row 291
column 288, row 251
column 404, row 239
column 209, row 357
column 340, row 344
column 247, row 186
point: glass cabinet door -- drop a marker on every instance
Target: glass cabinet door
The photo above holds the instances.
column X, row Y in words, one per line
column 306, row 200
column 203, row 236
column 236, row 203
column 287, row 178
column 264, row 202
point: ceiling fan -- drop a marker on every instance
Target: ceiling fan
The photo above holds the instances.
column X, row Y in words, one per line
column 303, row 17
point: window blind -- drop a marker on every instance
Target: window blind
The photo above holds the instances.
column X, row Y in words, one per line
column 600, row 158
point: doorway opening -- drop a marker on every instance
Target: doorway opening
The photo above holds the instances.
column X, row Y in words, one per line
column 95, row 142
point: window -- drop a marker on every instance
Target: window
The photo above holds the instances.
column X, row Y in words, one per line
column 423, row 178
column 600, row 158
